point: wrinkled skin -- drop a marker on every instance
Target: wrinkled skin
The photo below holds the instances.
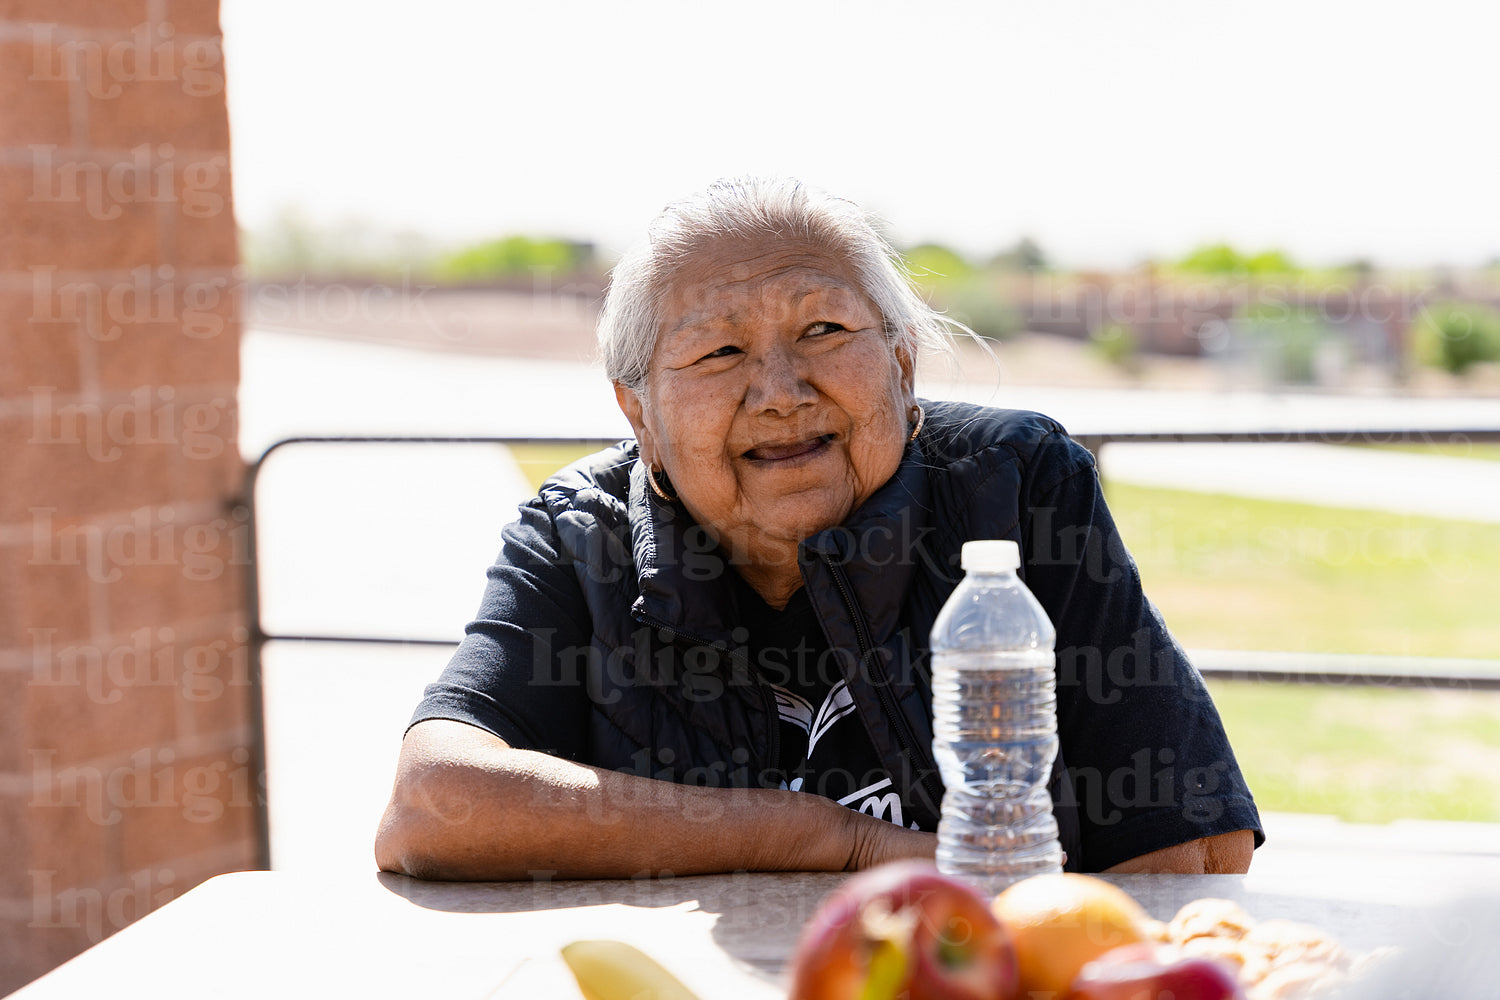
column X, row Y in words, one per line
column 774, row 402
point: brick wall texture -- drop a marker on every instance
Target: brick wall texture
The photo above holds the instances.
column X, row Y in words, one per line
column 126, row 774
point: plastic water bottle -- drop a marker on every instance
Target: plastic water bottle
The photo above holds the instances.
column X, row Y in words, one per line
column 994, row 724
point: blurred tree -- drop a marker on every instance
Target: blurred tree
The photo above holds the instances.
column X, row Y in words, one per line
column 292, row 246
column 1221, row 259
column 513, row 256
column 1270, row 262
column 1457, row 335
column 288, row 245
column 1025, row 255
column 1118, row 344
column 978, row 304
column 1213, row 258
column 935, row 265
column 1286, row 340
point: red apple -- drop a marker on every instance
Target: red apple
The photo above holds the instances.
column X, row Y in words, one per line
column 904, row 930
column 1155, row 972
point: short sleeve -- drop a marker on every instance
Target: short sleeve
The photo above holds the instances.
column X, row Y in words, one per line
column 507, row 674
column 1148, row 760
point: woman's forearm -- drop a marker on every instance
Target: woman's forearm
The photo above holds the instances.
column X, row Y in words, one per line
column 1222, row 854
column 466, row 806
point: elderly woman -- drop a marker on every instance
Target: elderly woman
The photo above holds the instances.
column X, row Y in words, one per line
column 706, row 649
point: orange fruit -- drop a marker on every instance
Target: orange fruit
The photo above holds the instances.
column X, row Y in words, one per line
column 1060, row 923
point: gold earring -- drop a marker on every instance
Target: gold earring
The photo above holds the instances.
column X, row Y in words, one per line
column 656, row 487
column 921, row 419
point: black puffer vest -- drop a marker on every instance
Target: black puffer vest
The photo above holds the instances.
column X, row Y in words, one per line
column 675, row 691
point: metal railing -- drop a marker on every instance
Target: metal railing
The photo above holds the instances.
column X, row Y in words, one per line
column 1269, row 666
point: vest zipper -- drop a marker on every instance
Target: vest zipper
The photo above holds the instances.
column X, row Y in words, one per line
column 675, row 632
column 904, row 737
column 767, row 697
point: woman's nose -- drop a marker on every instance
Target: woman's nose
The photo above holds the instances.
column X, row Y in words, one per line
column 778, row 384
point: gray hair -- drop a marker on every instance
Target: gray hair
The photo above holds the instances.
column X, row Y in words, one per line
column 750, row 206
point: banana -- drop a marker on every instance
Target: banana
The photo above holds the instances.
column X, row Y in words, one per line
column 614, row 970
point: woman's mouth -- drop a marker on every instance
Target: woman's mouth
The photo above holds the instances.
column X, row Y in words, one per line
column 784, row 451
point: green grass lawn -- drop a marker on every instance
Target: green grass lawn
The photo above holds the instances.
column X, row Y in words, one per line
column 1364, row 754
column 1234, row 573
column 1455, row 449
column 538, row 461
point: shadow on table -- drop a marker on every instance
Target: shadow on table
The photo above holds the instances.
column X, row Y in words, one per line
column 759, row 916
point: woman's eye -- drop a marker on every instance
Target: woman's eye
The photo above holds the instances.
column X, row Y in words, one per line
column 825, row 327
column 722, row 352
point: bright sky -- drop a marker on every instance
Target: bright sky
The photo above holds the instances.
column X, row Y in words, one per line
column 1108, row 131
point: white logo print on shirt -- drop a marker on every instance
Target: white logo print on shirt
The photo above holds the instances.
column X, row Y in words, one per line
column 799, row 712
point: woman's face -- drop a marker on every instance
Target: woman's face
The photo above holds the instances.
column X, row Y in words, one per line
column 774, row 402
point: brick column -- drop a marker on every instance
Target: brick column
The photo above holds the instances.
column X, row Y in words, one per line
column 126, row 774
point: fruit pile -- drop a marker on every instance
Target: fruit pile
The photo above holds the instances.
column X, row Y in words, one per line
column 1274, row 959
column 904, row 930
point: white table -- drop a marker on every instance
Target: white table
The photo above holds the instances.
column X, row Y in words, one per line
column 291, row 935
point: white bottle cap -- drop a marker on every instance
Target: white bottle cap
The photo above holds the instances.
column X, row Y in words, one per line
column 991, row 555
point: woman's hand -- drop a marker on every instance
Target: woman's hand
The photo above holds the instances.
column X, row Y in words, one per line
column 467, row 806
column 874, row 842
